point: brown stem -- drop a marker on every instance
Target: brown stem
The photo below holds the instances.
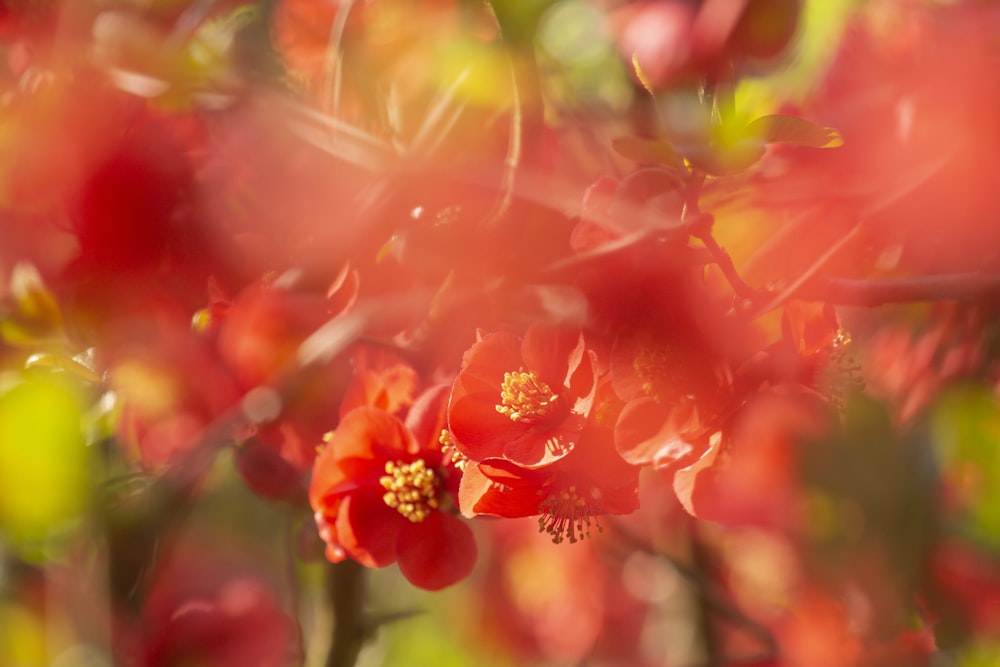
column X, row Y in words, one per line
column 946, row 287
column 725, row 264
column 345, row 589
column 700, row 225
column 712, row 599
column 707, row 634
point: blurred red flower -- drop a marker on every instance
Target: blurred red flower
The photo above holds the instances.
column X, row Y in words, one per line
column 748, row 475
column 263, row 328
column 210, row 607
column 381, row 380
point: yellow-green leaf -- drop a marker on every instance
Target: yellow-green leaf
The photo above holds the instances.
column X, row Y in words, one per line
column 647, row 151
column 640, row 75
column 780, row 128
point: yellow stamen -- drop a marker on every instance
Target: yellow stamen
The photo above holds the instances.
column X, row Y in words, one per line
column 410, row 489
column 524, row 397
column 451, row 452
column 652, row 365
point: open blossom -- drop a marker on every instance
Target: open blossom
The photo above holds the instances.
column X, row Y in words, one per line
column 380, row 497
column 672, row 388
column 524, row 400
column 568, row 495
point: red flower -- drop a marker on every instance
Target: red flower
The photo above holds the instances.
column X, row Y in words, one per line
column 275, row 458
column 209, row 605
column 262, row 330
column 673, row 388
column 381, row 379
column 568, row 494
column 747, row 476
column 378, row 495
column 523, row 400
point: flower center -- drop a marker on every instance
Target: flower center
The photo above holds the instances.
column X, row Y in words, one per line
column 651, row 365
column 410, row 489
column 524, row 397
column 568, row 515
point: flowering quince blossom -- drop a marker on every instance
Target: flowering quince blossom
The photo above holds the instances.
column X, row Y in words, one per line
column 209, row 607
column 523, row 400
column 389, row 203
column 381, row 379
column 671, row 391
column 568, row 494
column 380, row 497
column 261, row 330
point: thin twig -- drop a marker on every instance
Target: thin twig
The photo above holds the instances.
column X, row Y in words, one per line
column 788, row 292
column 945, row 287
column 513, row 158
column 700, row 226
column 333, row 68
column 712, row 598
column 435, row 117
column 725, row 264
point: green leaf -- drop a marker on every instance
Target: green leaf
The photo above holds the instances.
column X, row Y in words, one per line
column 648, row 151
column 36, row 317
column 780, row 128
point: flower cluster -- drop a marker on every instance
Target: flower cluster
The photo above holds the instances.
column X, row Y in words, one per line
column 388, row 272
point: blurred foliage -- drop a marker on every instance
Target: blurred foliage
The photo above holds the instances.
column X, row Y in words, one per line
column 966, row 426
column 44, row 463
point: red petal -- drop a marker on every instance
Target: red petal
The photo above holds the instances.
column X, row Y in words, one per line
column 326, row 475
column 479, row 495
column 695, row 485
column 553, row 353
column 480, row 430
column 535, row 450
column 427, row 417
column 370, row 433
column 437, row 552
column 647, row 432
column 381, row 380
column 368, row 529
column 473, row 485
column 490, row 358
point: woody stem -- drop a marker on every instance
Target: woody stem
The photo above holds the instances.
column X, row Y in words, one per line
column 345, row 590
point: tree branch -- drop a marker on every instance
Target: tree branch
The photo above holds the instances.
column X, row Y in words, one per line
column 711, row 598
column 944, row 287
